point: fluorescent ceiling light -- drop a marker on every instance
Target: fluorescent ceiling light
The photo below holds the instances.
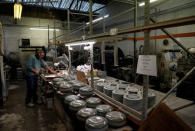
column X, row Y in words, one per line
column 70, row 48
column 143, row 3
column 80, row 43
column 99, row 19
column 87, row 47
column 42, row 29
column 17, row 11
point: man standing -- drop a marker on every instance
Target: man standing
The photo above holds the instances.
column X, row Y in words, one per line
column 33, row 67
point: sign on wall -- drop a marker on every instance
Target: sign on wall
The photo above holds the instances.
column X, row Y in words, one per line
column 147, row 65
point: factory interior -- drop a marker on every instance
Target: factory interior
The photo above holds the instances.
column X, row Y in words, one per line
column 97, row 65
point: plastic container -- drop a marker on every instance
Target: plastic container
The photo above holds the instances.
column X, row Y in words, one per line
column 103, row 109
column 108, row 90
column 70, row 98
column 85, row 113
column 65, row 87
column 77, row 105
column 118, row 95
column 133, row 101
column 92, row 102
column 85, row 91
column 96, row 123
column 116, row 119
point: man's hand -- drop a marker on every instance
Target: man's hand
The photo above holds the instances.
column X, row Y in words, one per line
column 35, row 71
column 52, row 71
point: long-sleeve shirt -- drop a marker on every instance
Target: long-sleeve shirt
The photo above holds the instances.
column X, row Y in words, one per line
column 35, row 63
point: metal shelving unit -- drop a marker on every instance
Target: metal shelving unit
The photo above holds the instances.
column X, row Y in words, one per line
column 134, row 115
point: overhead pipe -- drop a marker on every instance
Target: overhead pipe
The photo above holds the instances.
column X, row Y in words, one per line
column 189, row 34
column 74, row 13
column 126, row 2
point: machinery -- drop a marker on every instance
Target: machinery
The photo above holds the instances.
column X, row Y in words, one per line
column 122, row 71
column 186, row 90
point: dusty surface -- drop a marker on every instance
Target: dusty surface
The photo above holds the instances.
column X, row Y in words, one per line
column 15, row 116
column 187, row 114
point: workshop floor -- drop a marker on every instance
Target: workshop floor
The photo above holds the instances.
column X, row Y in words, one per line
column 15, row 116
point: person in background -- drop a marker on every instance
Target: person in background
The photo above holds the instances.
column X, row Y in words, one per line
column 33, row 67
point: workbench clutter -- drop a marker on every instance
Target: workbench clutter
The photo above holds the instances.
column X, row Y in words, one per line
column 103, row 109
column 108, row 90
column 77, row 85
column 88, row 109
column 84, row 74
column 55, row 80
column 65, row 87
column 116, row 119
column 100, row 86
column 83, row 106
column 96, row 123
column 86, row 91
column 76, row 105
column 81, row 103
column 118, row 95
column 86, row 69
column 129, row 94
column 70, row 98
column 92, row 102
column 85, row 113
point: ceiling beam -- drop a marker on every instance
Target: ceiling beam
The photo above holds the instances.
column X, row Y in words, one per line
column 80, row 5
column 77, row 4
column 110, row 3
column 99, row 1
column 60, row 4
column 71, row 4
column 51, row 3
column 6, row 2
column 103, row 6
column 125, row 1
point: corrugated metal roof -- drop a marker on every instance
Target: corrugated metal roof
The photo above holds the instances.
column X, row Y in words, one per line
column 62, row 4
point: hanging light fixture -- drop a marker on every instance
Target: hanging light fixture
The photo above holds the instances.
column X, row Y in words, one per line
column 143, row 3
column 17, row 11
column 91, row 42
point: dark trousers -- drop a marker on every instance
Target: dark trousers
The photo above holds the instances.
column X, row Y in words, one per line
column 31, row 93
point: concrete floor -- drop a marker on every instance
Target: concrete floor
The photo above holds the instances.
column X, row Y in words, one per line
column 15, row 116
column 188, row 116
